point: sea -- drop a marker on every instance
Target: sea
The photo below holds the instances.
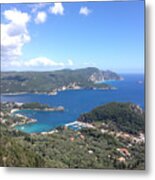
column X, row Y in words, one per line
column 77, row 102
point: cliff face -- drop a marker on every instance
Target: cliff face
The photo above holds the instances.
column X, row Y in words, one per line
column 109, row 75
column 104, row 75
column 97, row 76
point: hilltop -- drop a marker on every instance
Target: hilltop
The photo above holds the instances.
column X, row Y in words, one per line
column 126, row 117
column 53, row 81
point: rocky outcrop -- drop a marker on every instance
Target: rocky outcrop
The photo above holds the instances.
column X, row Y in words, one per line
column 103, row 76
column 96, row 77
column 137, row 109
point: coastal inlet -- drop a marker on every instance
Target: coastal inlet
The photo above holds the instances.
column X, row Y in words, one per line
column 77, row 102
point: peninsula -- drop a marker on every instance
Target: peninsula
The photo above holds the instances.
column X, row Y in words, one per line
column 54, row 81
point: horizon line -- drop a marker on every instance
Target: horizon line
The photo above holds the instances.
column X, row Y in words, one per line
column 120, row 72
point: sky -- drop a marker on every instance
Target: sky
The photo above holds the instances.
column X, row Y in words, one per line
column 51, row 36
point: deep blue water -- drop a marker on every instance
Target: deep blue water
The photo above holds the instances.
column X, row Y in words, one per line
column 77, row 102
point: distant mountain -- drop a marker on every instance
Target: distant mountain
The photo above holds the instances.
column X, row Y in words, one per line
column 53, row 81
column 126, row 117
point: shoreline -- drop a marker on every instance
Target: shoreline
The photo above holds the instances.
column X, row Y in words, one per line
column 55, row 93
column 80, row 124
column 61, row 89
column 55, row 130
column 26, row 120
column 59, row 108
column 18, row 118
column 13, row 94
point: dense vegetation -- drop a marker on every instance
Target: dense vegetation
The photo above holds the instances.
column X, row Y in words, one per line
column 125, row 117
column 96, row 147
column 67, row 149
column 13, row 82
column 13, row 151
column 34, row 105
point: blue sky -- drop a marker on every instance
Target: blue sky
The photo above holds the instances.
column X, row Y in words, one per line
column 107, row 35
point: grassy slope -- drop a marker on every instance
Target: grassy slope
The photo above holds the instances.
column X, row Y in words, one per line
column 58, row 151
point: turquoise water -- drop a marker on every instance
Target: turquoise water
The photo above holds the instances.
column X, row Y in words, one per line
column 77, row 102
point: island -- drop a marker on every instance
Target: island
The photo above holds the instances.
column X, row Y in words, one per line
column 54, row 81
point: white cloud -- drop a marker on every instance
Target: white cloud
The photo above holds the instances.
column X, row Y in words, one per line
column 84, row 11
column 16, row 17
column 36, row 62
column 57, row 9
column 70, row 62
column 36, row 7
column 42, row 61
column 14, row 34
column 41, row 17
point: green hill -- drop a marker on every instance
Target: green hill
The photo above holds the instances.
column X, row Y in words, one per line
column 53, row 81
column 125, row 117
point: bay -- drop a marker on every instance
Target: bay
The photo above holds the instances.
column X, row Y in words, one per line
column 76, row 102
